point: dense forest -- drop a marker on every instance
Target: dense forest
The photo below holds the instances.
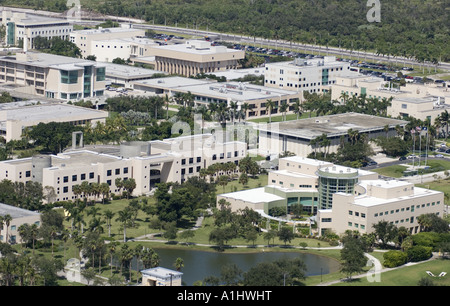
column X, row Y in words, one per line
column 413, row 28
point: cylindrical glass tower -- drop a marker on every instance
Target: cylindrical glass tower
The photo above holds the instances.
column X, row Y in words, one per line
column 335, row 179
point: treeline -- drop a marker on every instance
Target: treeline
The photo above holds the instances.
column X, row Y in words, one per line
column 417, row 29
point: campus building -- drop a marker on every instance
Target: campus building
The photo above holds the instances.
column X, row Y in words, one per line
column 19, row 216
column 210, row 91
column 106, row 50
column 148, row 163
column 15, row 117
column 312, row 75
column 89, row 40
column 420, row 101
column 194, row 57
column 341, row 198
column 295, row 136
column 20, row 26
column 53, row 76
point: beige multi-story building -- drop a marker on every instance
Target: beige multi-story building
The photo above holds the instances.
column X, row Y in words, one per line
column 194, row 57
column 420, row 101
column 19, row 216
column 14, row 119
column 53, row 76
column 296, row 136
column 209, row 91
column 106, row 50
column 312, row 75
column 20, row 26
column 148, row 163
column 88, row 40
column 341, row 198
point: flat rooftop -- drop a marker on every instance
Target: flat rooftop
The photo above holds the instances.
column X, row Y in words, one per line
column 234, row 74
column 31, row 19
column 254, row 195
column 235, row 91
column 197, row 47
column 331, row 125
column 102, row 31
column 42, row 112
column 49, row 60
column 15, row 212
column 128, row 72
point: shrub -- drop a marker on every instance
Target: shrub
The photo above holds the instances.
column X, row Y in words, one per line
column 394, row 258
column 419, row 253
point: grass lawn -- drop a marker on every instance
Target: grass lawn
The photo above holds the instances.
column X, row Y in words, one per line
column 409, row 275
column 279, row 118
column 391, row 171
column 396, row 171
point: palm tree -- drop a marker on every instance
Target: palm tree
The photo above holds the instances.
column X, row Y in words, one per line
column 167, row 100
column 7, row 220
column 108, row 214
column 283, row 109
column 178, row 264
column 270, row 105
column 298, row 108
column 212, row 107
column 444, row 120
column 124, row 218
column 233, row 107
column 245, row 108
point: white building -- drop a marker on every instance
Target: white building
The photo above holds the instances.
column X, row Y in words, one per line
column 106, row 50
column 148, row 163
column 20, row 25
column 14, row 119
column 85, row 39
column 341, row 198
column 313, row 75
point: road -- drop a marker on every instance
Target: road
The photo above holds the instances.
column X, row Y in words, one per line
column 281, row 44
column 86, row 18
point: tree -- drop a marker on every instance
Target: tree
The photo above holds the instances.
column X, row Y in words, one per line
column 352, row 254
column 385, row 232
column 285, row 234
column 124, row 218
column 129, row 185
column 270, row 105
column 178, row 264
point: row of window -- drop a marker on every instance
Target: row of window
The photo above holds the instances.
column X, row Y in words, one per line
column 412, row 208
column 222, row 155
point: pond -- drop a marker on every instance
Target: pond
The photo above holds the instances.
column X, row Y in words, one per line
column 200, row 264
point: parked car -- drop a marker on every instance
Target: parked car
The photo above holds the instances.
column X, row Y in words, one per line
column 372, row 163
column 402, row 158
column 439, row 156
column 412, row 156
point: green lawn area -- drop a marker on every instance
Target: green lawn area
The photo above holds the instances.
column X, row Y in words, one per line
column 408, row 275
column 391, row 171
column 396, row 171
column 279, row 118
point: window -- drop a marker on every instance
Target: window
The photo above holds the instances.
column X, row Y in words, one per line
column 125, row 170
column 91, row 175
column 109, row 172
column 65, row 189
column 69, row 77
column 117, row 171
column 74, row 178
column 83, row 176
column 65, row 179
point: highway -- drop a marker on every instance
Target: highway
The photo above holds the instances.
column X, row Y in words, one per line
column 281, row 44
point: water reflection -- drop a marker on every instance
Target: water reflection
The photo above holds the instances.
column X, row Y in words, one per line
column 200, row 264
